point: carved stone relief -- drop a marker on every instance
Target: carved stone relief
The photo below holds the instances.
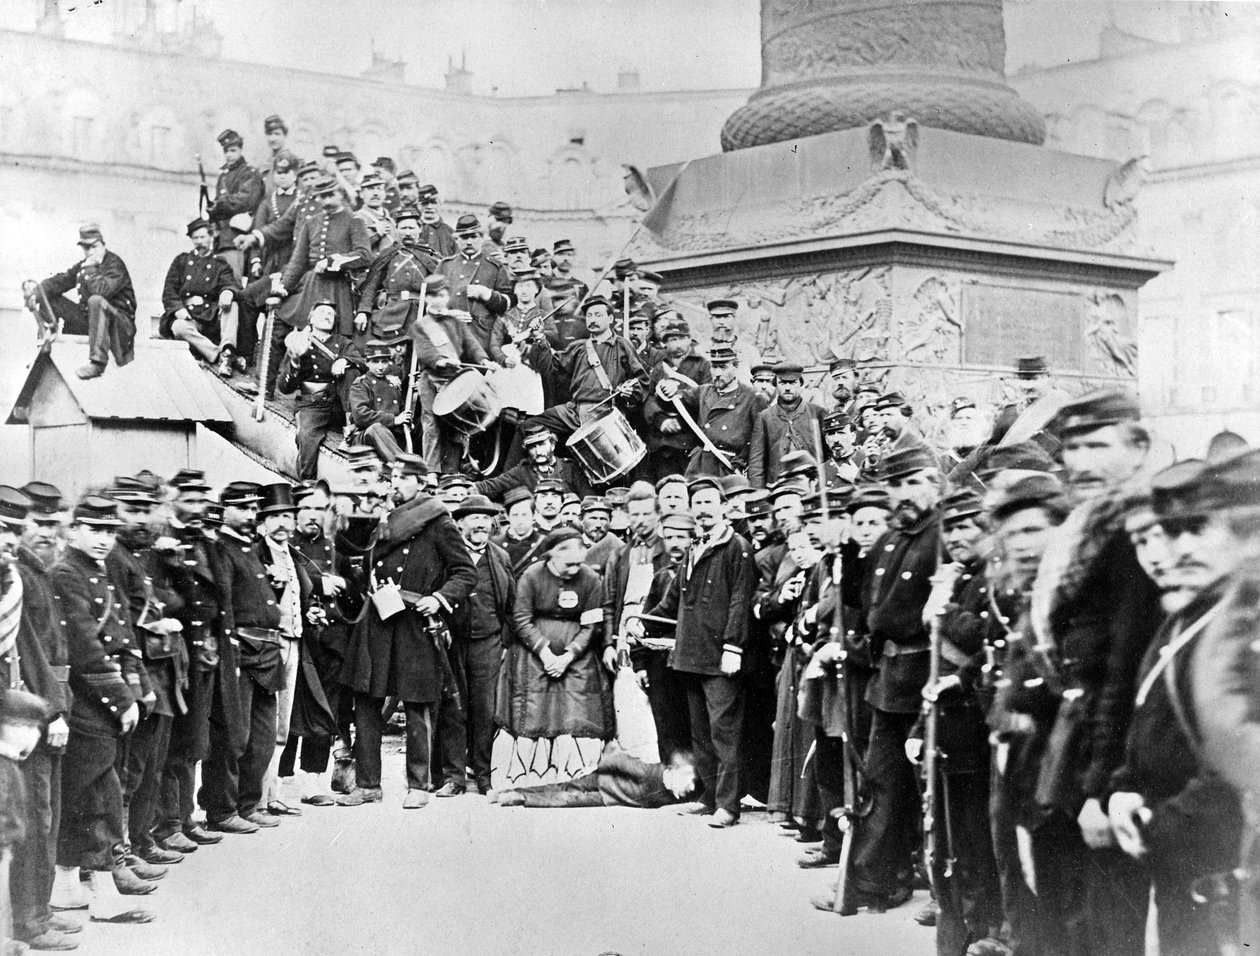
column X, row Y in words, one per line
column 1109, row 330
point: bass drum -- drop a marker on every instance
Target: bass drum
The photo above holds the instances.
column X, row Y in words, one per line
column 519, row 387
column 607, row 447
column 467, row 404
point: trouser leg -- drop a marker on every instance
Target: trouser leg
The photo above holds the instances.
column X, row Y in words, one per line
column 313, row 423
column 109, row 329
column 73, row 315
column 35, row 856
column 579, row 792
column 187, row 330
column 430, row 440
column 229, row 327
column 382, row 439
column 150, row 743
column 290, row 657
column 92, row 816
column 419, row 744
column 454, row 719
column 884, row 842
column 367, row 740
column 220, row 772
column 1060, row 860
column 484, row 658
column 702, row 740
column 725, row 702
column 260, row 744
column 829, row 775
column 969, row 898
column 667, row 697
column 279, row 330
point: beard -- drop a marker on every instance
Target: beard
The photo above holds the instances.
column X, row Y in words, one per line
column 135, row 536
column 906, row 514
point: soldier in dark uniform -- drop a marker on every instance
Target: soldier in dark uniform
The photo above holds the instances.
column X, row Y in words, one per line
column 963, row 868
column 386, row 169
column 418, row 549
column 269, row 244
column 316, row 365
column 238, row 192
column 408, row 189
column 435, row 232
column 1098, row 614
column 479, row 284
column 896, row 589
column 376, row 404
column 108, row 683
column 130, row 565
column 276, row 133
column 188, row 563
column 726, row 411
column 327, row 250
column 234, row 773
column 671, row 443
column 498, row 218
column 390, row 292
column 843, row 465
column 540, row 462
column 106, row 310
column 33, row 657
column 1168, row 807
column 520, row 536
column 198, row 301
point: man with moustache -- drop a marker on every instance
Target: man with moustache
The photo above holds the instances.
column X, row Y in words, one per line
column 1168, row 806
column 564, row 283
column 540, row 462
column 480, row 284
column 158, row 640
column 198, row 301
column 636, row 575
column 790, row 424
column 44, row 537
column 34, row 657
column 377, row 219
column 1096, row 612
column 416, row 558
column 709, row 601
column 408, row 189
column 107, row 683
column 330, row 560
column 671, row 444
column 480, row 629
column 898, row 583
column 299, row 619
column 843, row 374
column 390, row 293
column 596, row 369
column 234, row 773
column 327, row 250
column 843, row 466
column 190, row 563
column 435, row 232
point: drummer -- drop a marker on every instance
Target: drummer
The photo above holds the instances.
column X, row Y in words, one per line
column 600, row 372
column 444, row 342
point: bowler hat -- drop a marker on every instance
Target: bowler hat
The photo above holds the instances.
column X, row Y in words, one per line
column 798, row 462
column 735, row 484
column 475, row 505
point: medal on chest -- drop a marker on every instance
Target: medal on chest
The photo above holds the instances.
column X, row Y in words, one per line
column 567, row 600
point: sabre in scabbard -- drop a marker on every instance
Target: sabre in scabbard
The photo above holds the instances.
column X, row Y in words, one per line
column 264, row 363
column 413, row 382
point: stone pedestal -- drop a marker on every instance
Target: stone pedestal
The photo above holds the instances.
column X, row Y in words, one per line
column 936, row 277
column 884, row 197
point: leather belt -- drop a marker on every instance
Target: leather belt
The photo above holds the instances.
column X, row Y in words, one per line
column 313, row 388
column 264, row 635
column 896, row 650
column 61, row 672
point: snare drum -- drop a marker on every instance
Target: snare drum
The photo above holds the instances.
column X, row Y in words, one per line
column 468, row 404
column 607, row 447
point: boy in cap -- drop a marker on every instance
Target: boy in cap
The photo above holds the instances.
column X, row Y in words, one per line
column 199, row 301
column 238, row 192
column 106, row 309
column 376, row 404
column 108, row 681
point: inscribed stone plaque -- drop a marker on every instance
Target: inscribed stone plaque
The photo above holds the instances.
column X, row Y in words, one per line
column 1002, row 323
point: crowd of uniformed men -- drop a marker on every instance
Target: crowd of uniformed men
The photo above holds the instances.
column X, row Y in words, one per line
column 1022, row 674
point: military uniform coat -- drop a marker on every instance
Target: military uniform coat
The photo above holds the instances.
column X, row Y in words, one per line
column 419, row 548
column 328, row 234
column 479, row 270
column 239, row 190
column 195, row 283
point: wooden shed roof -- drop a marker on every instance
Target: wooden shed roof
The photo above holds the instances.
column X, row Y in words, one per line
column 163, row 383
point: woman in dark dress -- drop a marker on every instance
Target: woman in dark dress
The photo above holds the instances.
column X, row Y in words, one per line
column 555, row 705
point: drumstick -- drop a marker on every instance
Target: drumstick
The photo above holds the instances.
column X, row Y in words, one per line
column 652, row 617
